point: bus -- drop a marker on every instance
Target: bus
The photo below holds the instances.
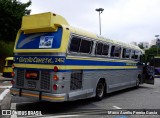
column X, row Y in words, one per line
column 56, row 62
column 7, row 69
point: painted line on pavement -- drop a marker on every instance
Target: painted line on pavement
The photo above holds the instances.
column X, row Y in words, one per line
column 6, row 87
column 117, row 107
column 3, row 94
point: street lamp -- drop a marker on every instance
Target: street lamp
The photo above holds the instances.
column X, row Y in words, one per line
column 100, row 10
column 157, row 42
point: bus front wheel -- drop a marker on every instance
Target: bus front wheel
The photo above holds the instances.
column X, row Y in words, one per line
column 100, row 90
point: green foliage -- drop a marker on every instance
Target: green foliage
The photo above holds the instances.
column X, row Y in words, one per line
column 140, row 46
column 11, row 12
column 6, row 49
column 152, row 51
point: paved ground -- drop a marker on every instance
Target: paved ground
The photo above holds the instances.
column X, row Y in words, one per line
column 5, row 98
column 144, row 98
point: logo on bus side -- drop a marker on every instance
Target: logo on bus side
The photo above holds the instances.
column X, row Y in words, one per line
column 46, row 42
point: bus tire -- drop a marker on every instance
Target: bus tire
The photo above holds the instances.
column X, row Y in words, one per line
column 137, row 83
column 100, row 90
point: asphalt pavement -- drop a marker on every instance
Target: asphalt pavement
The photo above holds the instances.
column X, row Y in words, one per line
column 145, row 98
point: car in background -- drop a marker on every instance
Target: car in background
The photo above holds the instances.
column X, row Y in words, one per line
column 7, row 69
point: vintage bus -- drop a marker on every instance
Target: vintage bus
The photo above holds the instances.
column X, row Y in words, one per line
column 54, row 61
column 7, row 69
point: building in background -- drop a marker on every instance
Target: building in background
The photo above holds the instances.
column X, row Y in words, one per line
column 153, row 42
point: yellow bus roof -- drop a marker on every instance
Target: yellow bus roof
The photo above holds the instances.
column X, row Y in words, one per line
column 9, row 58
column 48, row 22
column 99, row 37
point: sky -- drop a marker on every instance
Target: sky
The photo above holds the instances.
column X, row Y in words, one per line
column 122, row 20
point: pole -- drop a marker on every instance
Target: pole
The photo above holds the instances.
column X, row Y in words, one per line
column 100, row 23
column 157, row 50
column 100, row 10
column 157, row 43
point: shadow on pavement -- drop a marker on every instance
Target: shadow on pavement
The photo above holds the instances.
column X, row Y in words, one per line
column 56, row 108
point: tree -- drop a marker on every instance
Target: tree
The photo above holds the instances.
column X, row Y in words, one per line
column 141, row 46
column 152, row 51
column 11, row 12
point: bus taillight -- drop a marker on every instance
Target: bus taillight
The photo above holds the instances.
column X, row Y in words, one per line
column 55, row 87
column 12, row 82
column 55, row 77
column 55, row 68
column 12, row 74
column 13, row 66
column 27, row 75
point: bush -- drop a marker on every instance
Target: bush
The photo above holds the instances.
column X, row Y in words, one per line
column 6, row 48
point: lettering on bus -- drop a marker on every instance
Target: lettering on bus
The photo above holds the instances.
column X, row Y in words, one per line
column 35, row 60
column 59, row 60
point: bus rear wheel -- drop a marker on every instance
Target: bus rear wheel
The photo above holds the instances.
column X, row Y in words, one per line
column 137, row 83
column 100, row 90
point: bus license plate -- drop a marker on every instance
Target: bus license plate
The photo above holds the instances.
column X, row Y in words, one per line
column 33, row 75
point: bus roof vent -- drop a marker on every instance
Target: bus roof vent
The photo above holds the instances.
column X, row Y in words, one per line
column 44, row 22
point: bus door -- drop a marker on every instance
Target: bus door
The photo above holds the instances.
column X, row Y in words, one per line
column 148, row 70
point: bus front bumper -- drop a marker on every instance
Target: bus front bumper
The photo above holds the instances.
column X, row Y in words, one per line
column 39, row 95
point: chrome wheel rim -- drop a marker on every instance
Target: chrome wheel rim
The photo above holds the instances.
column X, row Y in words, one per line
column 100, row 89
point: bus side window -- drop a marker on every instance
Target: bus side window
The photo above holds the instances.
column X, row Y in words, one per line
column 117, row 52
column 124, row 53
column 75, row 44
column 112, row 51
column 136, row 55
column 128, row 52
column 86, row 46
column 133, row 54
column 105, row 49
column 98, row 50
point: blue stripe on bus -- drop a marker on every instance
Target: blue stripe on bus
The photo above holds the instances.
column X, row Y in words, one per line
column 84, row 70
column 57, row 60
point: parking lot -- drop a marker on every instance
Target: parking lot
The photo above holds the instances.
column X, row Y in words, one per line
column 145, row 98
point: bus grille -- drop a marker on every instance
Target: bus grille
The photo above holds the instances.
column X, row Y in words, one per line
column 76, row 80
column 20, row 78
column 45, row 80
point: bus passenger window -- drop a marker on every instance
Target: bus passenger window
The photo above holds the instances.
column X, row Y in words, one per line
column 126, row 53
column 86, row 46
column 99, row 49
column 133, row 54
column 136, row 54
column 112, row 51
column 117, row 52
column 75, row 43
column 105, row 49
